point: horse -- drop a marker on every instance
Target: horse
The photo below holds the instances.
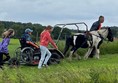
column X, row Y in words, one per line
column 91, row 40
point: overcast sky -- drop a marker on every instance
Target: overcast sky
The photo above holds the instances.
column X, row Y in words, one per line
column 53, row 12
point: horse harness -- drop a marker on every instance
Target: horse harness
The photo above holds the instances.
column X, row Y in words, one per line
column 89, row 37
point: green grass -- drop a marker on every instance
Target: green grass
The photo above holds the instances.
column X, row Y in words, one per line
column 104, row 70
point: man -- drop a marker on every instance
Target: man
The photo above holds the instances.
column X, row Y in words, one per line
column 45, row 39
column 28, row 39
column 97, row 25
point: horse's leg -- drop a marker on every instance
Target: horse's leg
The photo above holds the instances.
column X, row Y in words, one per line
column 97, row 49
column 88, row 53
column 92, row 53
column 73, row 49
column 67, row 45
column 66, row 49
column 97, row 53
column 70, row 56
column 77, row 56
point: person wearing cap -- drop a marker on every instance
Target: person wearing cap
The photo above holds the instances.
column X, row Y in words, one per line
column 45, row 39
column 28, row 39
column 4, row 45
column 96, row 26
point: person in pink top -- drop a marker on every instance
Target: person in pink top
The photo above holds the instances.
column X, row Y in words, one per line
column 45, row 39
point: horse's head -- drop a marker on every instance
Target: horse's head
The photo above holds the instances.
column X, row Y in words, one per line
column 110, row 35
column 106, row 33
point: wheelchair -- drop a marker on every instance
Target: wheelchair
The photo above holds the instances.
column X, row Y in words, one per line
column 27, row 54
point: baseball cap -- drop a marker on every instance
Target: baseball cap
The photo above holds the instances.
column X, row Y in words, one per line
column 28, row 30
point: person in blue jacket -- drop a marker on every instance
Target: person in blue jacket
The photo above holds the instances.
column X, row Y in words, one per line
column 27, row 37
column 4, row 46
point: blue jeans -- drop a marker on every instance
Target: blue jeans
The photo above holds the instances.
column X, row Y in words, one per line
column 44, row 59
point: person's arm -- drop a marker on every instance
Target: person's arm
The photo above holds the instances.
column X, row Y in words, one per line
column 51, row 41
column 5, row 42
column 31, row 43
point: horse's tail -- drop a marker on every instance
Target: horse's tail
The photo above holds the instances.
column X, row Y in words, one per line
column 67, row 44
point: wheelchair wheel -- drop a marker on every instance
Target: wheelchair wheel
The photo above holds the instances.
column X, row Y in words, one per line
column 27, row 55
column 15, row 61
column 18, row 53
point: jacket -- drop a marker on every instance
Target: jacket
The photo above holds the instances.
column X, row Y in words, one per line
column 45, row 39
column 4, row 45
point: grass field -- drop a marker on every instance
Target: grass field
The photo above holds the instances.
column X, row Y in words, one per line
column 104, row 70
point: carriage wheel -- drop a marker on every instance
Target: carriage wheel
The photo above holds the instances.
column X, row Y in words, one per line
column 27, row 55
column 54, row 59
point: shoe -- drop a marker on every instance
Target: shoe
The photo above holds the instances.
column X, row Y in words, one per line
column 39, row 67
column 45, row 65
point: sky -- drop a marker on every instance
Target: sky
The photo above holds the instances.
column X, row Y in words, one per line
column 52, row 12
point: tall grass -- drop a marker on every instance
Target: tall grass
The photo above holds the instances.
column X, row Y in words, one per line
column 104, row 70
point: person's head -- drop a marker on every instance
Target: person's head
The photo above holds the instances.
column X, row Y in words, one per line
column 49, row 28
column 101, row 19
column 28, row 31
column 8, row 33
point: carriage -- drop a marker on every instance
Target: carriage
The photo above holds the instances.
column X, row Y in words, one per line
column 85, row 39
column 79, row 27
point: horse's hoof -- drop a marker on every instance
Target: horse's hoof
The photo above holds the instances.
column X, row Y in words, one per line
column 69, row 59
column 79, row 58
column 85, row 58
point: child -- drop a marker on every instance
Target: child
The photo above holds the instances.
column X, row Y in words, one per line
column 4, row 46
column 45, row 39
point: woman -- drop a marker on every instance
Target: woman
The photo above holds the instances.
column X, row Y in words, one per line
column 4, row 46
column 45, row 39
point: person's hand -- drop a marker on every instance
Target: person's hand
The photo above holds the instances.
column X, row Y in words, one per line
column 56, row 48
column 34, row 43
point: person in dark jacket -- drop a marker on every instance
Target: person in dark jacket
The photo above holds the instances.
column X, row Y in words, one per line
column 4, row 46
column 27, row 37
column 97, row 25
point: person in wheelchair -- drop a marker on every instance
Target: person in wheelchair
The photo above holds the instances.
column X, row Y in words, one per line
column 26, row 40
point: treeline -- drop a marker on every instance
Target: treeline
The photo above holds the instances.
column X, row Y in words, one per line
column 37, row 29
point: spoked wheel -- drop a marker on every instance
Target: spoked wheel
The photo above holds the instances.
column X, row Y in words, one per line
column 18, row 53
column 15, row 61
column 27, row 55
column 54, row 59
